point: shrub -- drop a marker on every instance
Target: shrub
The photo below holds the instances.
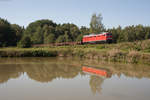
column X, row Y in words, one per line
column 25, row 42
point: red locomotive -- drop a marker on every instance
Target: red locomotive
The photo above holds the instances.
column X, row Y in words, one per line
column 97, row 38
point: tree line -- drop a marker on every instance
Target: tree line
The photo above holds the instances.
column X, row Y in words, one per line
column 46, row 31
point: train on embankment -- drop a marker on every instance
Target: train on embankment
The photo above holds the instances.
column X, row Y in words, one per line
column 104, row 37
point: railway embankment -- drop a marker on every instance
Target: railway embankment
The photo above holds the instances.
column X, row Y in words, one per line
column 130, row 52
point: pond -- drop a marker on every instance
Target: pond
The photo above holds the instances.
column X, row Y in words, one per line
column 72, row 79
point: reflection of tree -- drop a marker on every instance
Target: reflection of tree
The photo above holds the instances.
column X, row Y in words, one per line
column 39, row 73
column 131, row 70
column 42, row 72
column 8, row 71
column 47, row 69
column 48, row 72
column 96, row 83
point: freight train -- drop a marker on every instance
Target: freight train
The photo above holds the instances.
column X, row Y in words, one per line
column 104, row 37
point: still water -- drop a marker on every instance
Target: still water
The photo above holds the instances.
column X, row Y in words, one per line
column 65, row 79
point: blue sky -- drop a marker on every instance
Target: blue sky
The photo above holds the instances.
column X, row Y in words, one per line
column 114, row 12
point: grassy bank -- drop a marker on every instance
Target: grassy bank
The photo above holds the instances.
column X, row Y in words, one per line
column 135, row 52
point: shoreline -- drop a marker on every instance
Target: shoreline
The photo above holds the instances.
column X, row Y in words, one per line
column 114, row 55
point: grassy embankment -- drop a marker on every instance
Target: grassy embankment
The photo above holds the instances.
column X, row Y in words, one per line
column 133, row 52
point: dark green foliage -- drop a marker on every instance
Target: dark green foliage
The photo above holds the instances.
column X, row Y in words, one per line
column 70, row 31
column 49, row 39
column 60, row 39
column 84, row 30
column 79, row 38
column 18, row 31
column 130, row 33
column 40, row 29
column 25, row 42
column 37, row 37
column 66, row 37
column 7, row 34
column 46, row 31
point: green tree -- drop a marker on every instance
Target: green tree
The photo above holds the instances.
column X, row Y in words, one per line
column 84, row 30
column 49, row 39
column 7, row 34
column 66, row 37
column 74, row 32
column 37, row 37
column 79, row 38
column 121, row 37
column 37, row 29
column 59, row 31
column 71, row 29
column 147, row 34
column 140, row 32
column 60, row 39
column 96, row 25
column 25, row 42
column 18, row 31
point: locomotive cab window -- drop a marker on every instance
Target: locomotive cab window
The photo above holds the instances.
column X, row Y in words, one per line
column 109, row 34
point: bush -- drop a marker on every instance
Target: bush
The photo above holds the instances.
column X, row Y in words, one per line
column 25, row 42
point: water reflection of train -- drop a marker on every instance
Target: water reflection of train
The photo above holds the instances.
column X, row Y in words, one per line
column 103, row 72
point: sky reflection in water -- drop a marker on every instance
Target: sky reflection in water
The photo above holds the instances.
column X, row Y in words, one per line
column 63, row 78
